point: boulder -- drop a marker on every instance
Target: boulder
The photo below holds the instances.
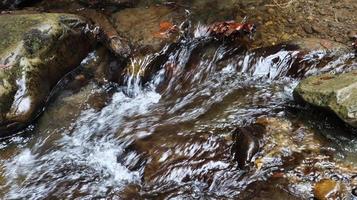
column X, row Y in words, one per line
column 36, row 51
column 337, row 93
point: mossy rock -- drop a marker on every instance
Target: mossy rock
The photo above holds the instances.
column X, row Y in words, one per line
column 337, row 93
column 36, row 51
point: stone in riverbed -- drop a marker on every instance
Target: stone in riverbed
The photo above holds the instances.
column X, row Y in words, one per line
column 143, row 25
column 246, row 143
column 36, row 51
column 337, row 93
column 328, row 189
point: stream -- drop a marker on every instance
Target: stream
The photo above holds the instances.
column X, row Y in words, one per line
column 170, row 135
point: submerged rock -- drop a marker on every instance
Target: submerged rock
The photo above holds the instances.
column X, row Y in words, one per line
column 144, row 25
column 328, row 189
column 36, row 51
column 246, row 143
column 337, row 93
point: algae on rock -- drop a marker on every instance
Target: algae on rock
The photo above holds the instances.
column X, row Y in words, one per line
column 337, row 93
column 36, row 51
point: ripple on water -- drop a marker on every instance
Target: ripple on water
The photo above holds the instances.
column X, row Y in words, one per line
column 84, row 160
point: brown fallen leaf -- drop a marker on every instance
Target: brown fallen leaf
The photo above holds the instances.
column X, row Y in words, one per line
column 326, row 78
column 231, row 29
column 166, row 29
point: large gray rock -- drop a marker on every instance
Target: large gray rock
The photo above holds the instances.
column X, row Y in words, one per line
column 337, row 93
column 36, row 51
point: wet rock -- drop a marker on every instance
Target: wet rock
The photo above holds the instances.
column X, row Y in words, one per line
column 352, row 34
column 99, row 29
column 307, row 28
column 36, row 51
column 318, row 29
column 246, row 143
column 328, row 189
column 107, row 34
column 314, row 44
column 304, row 56
column 141, row 25
column 305, row 46
column 337, row 93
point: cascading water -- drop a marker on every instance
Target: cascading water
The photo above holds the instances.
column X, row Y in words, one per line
column 167, row 137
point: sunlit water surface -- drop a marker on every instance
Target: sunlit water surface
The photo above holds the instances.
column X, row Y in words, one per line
column 169, row 138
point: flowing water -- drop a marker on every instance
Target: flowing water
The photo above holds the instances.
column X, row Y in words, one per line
column 169, row 135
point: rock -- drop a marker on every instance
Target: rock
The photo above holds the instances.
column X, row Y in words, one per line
column 302, row 56
column 352, row 35
column 142, row 25
column 318, row 29
column 107, row 34
column 328, row 189
column 305, row 46
column 100, row 29
column 337, row 93
column 271, row 11
column 36, row 51
column 246, row 143
column 307, row 28
column 314, row 44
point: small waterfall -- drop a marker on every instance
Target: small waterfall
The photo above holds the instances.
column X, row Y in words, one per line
column 175, row 110
column 86, row 154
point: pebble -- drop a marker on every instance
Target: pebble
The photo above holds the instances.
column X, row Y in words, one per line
column 338, row 39
column 307, row 28
column 290, row 20
column 317, row 29
column 327, row 189
column 271, row 11
column 352, row 34
column 285, row 37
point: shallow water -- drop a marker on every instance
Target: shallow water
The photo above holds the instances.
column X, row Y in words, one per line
column 169, row 135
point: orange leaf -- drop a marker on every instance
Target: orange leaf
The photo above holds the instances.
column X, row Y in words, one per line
column 165, row 26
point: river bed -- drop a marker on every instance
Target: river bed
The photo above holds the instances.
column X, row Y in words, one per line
column 170, row 136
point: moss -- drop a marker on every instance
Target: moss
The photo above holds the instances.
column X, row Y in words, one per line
column 337, row 93
column 35, row 40
column 39, row 50
column 13, row 28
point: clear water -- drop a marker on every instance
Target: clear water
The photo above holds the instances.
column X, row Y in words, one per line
column 170, row 137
